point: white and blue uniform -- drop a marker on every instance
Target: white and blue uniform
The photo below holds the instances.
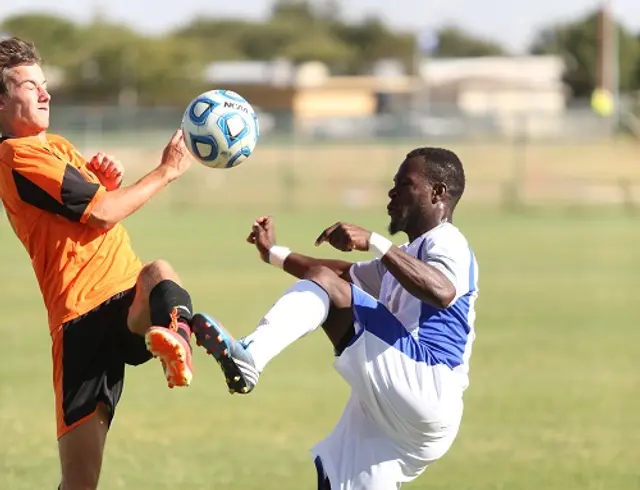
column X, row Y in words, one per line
column 408, row 368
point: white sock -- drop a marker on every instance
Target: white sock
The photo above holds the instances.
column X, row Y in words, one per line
column 300, row 310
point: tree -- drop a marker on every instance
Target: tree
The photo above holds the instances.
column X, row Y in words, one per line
column 294, row 11
column 455, row 43
column 102, row 59
column 306, row 33
column 302, row 30
column 371, row 40
column 114, row 60
column 55, row 37
column 636, row 75
column 220, row 40
column 577, row 42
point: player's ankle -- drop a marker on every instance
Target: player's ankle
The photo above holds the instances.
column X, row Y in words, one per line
column 184, row 330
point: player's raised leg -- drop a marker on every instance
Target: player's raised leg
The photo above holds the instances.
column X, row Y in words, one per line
column 322, row 298
column 161, row 312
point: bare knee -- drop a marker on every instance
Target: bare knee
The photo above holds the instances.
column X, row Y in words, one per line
column 154, row 272
column 338, row 289
column 323, row 276
column 151, row 274
column 339, row 322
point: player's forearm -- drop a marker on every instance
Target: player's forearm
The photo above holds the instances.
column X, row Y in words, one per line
column 298, row 265
column 421, row 280
column 119, row 204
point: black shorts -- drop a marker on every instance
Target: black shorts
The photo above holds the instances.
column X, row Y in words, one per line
column 89, row 355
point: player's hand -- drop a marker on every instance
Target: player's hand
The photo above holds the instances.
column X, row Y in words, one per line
column 174, row 157
column 107, row 169
column 263, row 236
column 345, row 237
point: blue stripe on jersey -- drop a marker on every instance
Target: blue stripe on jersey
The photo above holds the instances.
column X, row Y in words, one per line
column 445, row 332
column 375, row 318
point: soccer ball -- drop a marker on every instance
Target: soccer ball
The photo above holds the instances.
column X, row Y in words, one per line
column 220, row 129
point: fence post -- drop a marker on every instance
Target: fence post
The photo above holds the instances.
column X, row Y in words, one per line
column 514, row 188
column 288, row 186
column 627, row 196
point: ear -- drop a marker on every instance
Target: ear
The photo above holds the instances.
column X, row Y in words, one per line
column 439, row 192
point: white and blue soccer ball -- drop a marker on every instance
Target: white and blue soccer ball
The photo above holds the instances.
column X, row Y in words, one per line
column 220, row 129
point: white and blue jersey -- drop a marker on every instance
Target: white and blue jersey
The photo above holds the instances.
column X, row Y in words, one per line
column 408, row 367
column 446, row 334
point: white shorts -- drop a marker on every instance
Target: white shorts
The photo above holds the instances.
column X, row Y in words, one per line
column 403, row 414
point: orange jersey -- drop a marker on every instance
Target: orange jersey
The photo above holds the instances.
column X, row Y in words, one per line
column 48, row 194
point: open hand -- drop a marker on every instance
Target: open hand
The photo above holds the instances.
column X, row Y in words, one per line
column 107, row 169
column 345, row 237
column 174, row 156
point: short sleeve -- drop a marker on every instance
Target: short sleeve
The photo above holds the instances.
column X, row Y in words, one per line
column 368, row 275
column 49, row 183
column 448, row 251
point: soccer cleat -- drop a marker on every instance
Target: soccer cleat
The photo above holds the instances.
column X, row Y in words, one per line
column 234, row 360
column 174, row 352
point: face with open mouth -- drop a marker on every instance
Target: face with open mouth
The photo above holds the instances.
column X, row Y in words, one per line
column 406, row 195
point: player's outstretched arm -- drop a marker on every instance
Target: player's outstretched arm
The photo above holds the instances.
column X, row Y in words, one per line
column 420, row 279
column 264, row 238
column 298, row 265
column 118, row 204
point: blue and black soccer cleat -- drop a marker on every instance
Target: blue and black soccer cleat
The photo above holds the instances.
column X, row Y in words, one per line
column 234, row 360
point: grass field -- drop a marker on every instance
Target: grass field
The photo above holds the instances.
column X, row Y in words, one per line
column 553, row 404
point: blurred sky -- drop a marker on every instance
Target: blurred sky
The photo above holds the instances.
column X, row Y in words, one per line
column 511, row 22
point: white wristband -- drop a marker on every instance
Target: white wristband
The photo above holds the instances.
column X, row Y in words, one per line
column 379, row 245
column 277, row 255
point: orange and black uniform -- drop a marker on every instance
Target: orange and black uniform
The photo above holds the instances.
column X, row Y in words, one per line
column 86, row 275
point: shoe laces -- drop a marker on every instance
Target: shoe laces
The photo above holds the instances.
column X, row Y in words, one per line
column 173, row 324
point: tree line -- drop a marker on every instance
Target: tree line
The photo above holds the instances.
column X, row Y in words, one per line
column 101, row 58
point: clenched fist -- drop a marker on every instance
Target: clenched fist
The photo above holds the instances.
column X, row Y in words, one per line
column 107, row 169
column 263, row 236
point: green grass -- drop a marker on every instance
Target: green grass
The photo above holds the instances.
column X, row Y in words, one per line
column 553, row 403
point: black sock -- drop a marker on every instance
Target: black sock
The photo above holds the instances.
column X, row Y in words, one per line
column 164, row 298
